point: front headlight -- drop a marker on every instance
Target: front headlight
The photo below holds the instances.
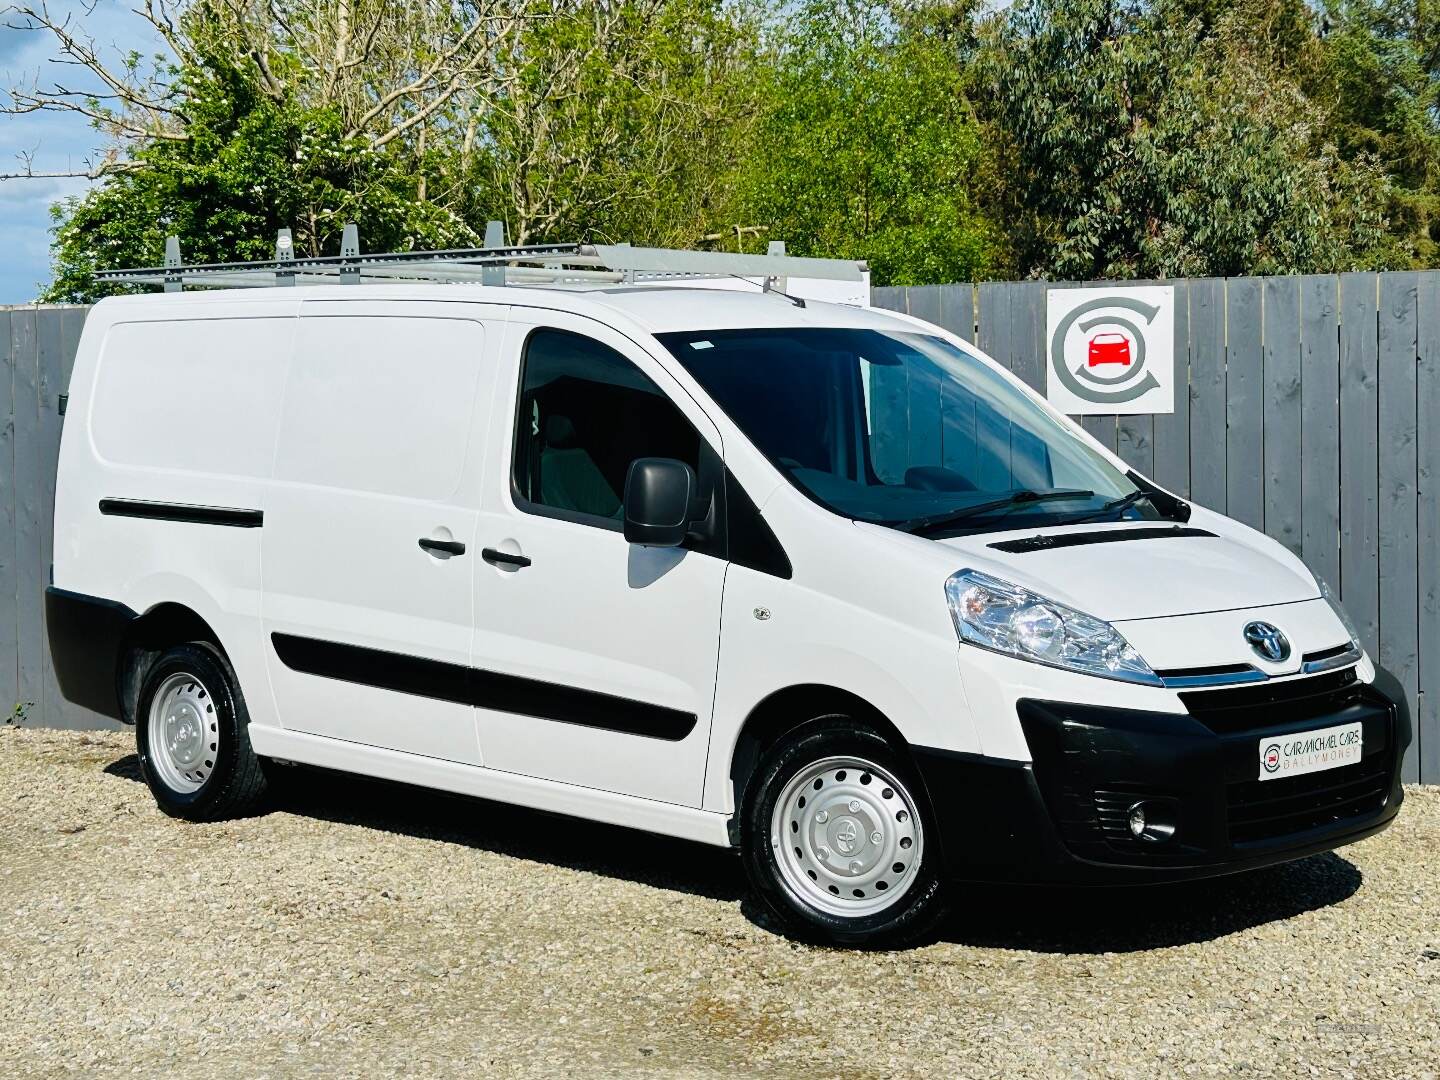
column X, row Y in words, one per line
column 1005, row 618
column 1340, row 612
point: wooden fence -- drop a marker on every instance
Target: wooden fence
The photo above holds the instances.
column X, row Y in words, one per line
column 37, row 348
column 1313, row 413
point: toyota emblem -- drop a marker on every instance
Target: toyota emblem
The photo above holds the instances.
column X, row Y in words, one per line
column 1268, row 642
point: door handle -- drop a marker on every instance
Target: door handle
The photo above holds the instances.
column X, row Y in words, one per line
column 492, row 555
column 449, row 547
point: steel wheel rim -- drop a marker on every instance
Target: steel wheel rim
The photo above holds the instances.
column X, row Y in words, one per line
column 850, row 846
column 184, row 733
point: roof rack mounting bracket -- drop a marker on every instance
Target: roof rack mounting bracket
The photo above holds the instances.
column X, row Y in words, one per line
column 173, row 282
column 493, row 273
column 350, row 255
column 284, row 253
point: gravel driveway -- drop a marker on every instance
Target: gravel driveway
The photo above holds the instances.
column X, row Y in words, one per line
column 366, row 929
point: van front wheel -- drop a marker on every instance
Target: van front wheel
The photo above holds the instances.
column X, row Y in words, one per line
column 192, row 737
column 838, row 841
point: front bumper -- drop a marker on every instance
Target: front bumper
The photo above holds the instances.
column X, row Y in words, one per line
column 1061, row 817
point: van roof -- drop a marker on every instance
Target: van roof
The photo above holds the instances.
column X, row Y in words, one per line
column 654, row 308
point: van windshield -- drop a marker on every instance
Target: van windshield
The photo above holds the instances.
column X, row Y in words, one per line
column 904, row 429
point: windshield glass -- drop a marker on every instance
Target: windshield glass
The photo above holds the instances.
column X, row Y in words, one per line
column 903, row 429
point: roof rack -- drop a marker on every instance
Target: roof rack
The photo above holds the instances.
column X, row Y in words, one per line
column 496, row 263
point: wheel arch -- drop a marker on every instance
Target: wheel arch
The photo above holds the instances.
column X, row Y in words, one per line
column 787, row 709
column 162, row 625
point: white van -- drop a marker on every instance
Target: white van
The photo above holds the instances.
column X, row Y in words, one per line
column 819, row 582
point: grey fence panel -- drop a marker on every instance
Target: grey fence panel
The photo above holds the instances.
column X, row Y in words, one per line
column 1320, row 425
column 926, row 304
column 992, row 320
column 1359, row 456
column 1244, row 402
column 891, row 297
column 1135, row 441
column 1207, row 393
column 49, row 369
column 1172, row 432
column 957, row 310
column 1282, row 410
column 30, row 576
column 1027, row 333
column 1399, row 570
column 9, row 640
column 1427, row 444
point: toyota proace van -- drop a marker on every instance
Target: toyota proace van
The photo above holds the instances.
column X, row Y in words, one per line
column 813, row 581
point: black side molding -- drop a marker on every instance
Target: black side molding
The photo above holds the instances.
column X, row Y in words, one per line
column 1045, row 542
column 234, row 517
column 85, row 637
column 483, row 689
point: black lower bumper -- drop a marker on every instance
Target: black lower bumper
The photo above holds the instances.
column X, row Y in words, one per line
column 1063, row 817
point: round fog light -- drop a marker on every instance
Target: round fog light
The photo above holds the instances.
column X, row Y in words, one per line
column 1137, row 820
column 1153, row 822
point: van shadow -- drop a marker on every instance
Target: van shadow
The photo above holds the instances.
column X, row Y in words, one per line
column 1036, row 919
column 387, row 806
column 1136, row 918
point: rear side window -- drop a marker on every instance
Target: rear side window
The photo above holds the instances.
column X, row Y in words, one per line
column 203, row 394
column 381, row 404
column 585, row 413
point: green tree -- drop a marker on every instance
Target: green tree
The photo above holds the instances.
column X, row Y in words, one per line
column 1168, row 140
column 420, row 120
column 867, row 147
column 624, row 120
column 248, row 166
column 1380, row 77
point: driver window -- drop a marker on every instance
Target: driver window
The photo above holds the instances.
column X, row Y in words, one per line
column 585, row 414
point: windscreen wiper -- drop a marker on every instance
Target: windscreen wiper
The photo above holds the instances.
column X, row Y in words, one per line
column 1119, row 505
column 1014, row 499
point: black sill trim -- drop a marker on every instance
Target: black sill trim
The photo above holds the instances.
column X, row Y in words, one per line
column 1097, row 536
column 482, row 689
column 188, row 512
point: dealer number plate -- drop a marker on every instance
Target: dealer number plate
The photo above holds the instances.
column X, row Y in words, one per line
column 1310, row 751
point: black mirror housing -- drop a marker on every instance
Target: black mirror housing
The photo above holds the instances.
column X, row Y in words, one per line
column 660, row 495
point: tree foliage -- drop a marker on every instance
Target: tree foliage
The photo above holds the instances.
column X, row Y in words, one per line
column 867, row 147
column 1168, row 140
column 938, row 139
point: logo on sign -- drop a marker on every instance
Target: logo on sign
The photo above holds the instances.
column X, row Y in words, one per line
column 1271, row 759
column 1111, row 350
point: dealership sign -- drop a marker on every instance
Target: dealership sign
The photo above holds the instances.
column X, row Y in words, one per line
column 1111, row 350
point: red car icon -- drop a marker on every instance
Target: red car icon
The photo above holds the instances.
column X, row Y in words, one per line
column 1109, row 349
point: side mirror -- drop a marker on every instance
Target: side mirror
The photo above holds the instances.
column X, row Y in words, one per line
column 660, row 494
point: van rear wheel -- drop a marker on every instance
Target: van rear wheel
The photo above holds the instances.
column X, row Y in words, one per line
column 837, row 839
column 192, row 737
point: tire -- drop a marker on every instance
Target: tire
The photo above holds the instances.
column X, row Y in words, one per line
column 811, row 854
column 204, row 769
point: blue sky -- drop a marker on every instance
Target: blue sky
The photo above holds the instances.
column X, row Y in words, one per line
column 59, row 141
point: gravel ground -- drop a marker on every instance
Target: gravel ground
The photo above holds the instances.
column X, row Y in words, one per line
column 367, row 929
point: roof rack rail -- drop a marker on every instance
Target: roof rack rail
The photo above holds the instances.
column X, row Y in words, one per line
column 496, row 263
